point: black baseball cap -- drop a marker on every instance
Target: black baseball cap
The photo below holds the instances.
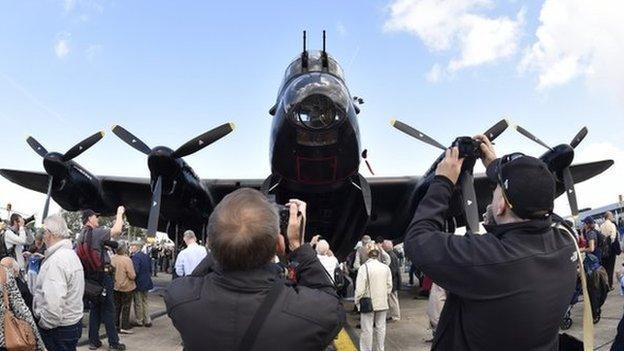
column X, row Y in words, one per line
column 589, row 220
column 528, row 185
column 88, row 213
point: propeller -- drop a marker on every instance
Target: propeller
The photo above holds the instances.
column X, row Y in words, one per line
column 365, row 157
column 53, row 161
column 568, row 180
column 466, row 179
column 188, row 148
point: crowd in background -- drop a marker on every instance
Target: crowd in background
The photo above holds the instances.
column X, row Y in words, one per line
column 371, row 275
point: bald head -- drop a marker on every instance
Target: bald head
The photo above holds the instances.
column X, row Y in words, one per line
column 243, row 230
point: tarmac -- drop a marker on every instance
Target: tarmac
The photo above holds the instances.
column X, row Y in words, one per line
column 408, row 334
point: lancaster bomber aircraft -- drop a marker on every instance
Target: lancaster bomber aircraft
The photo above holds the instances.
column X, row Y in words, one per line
column 315, row 156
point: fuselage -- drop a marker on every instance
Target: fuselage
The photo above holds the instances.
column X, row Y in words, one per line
column 315, row 139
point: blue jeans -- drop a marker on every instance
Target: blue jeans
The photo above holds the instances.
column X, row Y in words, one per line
column 103, row 312
column 62, row 338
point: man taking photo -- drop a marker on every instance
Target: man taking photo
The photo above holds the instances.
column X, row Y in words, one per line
column 244, row 303
column 102, row 310
column 509, row 288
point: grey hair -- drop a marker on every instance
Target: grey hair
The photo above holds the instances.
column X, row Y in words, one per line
column 322, row 247
column 189, row 234
column 57, row 226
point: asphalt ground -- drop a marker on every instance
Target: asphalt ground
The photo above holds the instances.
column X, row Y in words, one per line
column 408, row 334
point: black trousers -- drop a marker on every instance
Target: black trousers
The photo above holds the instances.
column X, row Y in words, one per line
column 123, row 302
column 609, row 265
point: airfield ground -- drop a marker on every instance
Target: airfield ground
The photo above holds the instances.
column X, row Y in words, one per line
column 406, row 335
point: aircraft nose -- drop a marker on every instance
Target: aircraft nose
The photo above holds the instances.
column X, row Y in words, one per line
column 317, row 112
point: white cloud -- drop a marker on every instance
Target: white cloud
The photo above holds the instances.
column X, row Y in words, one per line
column 603, row 189
column 92, row 51
column 578, row 38
column 435, row 74
column 61, row 45
column 457, row 26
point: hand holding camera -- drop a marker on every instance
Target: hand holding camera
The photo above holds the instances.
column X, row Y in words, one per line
column 450, row 166
column 296, row 223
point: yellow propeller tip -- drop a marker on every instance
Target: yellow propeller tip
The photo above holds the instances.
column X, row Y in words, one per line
column 102, row 133
column 392, row 122
column 232, row 125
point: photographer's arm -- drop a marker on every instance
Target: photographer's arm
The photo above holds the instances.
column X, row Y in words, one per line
column 310, row 271
column 447, row 258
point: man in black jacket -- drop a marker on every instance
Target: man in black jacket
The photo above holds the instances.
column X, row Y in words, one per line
column 509, row 288
column 213, row 309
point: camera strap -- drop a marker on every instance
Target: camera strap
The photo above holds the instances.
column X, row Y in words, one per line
column 251, row 334
column 588, row 323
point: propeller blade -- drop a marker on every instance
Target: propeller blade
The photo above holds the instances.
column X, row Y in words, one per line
column 82, row 146
column 527, row 134
column 415, row 134
column 131, row 140
column 370, row 169
column 34, row 144
column 200, row 142
column 154, row 214
column 470, row 202
column 579, row 137
column 46, row 207
column 496, row 129
column 568, row 182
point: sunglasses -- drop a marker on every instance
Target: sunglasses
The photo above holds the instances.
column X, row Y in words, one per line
column 499, row 173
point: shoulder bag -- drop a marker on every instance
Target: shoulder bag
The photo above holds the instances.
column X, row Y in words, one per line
column 18, row 333
column 366, row 303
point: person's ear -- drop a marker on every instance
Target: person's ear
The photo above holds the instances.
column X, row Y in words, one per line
column 501, row 209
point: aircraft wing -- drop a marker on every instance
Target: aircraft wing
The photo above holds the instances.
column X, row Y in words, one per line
column 396, row 198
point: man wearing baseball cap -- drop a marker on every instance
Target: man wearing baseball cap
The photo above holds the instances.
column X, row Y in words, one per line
column 103, row 310
column 508, row 288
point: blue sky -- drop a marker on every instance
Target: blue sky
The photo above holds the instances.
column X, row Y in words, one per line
column 168, row 71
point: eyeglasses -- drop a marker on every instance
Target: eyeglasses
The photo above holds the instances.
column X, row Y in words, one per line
column 499, row 173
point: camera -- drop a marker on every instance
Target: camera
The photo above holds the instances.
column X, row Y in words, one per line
column 468, row 147
column 284, row 216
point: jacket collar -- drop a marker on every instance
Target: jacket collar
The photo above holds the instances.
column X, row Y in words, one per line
column 252, row 280
column 65, row 243
column 536, row 226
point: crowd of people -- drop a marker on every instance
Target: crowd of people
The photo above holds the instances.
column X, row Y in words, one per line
column 53, row 278
column 255, row 287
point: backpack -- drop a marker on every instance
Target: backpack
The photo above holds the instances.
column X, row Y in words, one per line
column 603, row 245
column 4, row 252
column 91, row 259
column 339, row 279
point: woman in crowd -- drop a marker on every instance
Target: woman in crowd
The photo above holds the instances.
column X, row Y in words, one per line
column 124, row 287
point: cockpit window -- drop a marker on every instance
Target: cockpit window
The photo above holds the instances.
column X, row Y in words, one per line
column 315, row 64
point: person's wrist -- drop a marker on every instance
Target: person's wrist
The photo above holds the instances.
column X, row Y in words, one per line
column 294, row 244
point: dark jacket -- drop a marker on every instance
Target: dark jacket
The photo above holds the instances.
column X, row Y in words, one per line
column 509, row 288
column 395, row 269
column 212, row 312
column 143, row 268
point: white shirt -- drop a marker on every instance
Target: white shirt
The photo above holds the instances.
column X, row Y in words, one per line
column 329, row 263
column 18, row 240
column 57, row 298
column 608, row 229
column 189, row 258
